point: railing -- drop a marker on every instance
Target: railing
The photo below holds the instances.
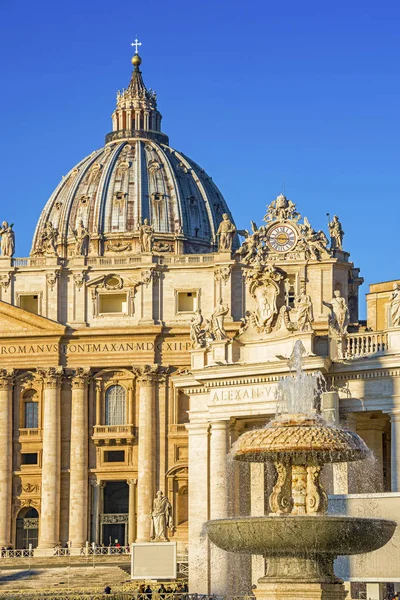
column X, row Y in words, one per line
column 113, row 430
column 29, row 262
column 35, row 434
column 366, row 343
column 23, row 553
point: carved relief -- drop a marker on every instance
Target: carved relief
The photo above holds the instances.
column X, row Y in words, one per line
column 5, row 280
column 51, row 279
column 222, row 274
column 118, row 247
column 79, row 279
column 30, row 488
column 317, row 500
column 280, row 501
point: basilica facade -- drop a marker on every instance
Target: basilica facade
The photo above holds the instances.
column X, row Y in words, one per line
column 145, row 333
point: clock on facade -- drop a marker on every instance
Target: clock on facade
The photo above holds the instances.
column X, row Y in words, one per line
column 282, row 238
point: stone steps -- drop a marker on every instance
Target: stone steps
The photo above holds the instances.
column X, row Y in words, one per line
column 60, row 578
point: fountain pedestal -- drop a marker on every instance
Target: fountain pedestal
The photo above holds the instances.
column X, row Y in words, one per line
column 300, row 591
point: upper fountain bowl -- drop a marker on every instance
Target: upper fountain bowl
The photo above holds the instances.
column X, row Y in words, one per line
column 300, row 439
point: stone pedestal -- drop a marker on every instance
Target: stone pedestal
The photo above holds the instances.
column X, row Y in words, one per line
column 146, row 457
column 6, row 384
column 78, row 489
column 220, row 352
column 300, row 591
column 50, row 508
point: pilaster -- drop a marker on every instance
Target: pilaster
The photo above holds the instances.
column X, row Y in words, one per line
column 132, row 483
column 6, row 388
column 395, row 451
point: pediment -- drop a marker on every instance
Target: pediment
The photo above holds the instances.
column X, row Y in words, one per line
column 16, row 321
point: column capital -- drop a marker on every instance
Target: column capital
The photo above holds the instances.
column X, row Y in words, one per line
column 79, row 377
column 395, row 416
column 220, row 424
column 131, row 482
column 6, row 378
column 51, row 376
column 197, row 428
column 147, row 374
column 97, row 484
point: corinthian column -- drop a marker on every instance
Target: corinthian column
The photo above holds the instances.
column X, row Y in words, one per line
column 50, row 507
column 6, row 384
column 78, row 482
column 146, row 451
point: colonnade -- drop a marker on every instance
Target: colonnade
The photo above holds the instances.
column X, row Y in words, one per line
column 81, row 529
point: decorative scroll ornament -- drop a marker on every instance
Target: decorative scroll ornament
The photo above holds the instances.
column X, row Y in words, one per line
column 280, row 501
column 6, row 378
column 51, row 279
column 222, row 274
column 118, row 247
column 5, row 280
column 79, row 279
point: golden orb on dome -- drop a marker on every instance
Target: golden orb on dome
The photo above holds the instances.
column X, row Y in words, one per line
column 136, row 60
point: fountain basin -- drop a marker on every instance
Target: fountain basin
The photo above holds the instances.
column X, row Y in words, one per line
column 300, row 535
column 297, row 439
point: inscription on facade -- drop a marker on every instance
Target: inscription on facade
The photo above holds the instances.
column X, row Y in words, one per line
column 245, row 393
column 89, row 348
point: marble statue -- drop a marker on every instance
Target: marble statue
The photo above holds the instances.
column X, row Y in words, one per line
column 48, row 240
column 225, row 231
column 161, row 518
column 339, row 318
column 7, row 239
column 395, row 306
column 146, row 236
column 316, row 241
column 304, row 307
column 336, row 232
column 82, row 238
column 217, row 320
column 196, row 332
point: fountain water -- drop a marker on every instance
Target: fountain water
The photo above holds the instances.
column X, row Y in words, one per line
column 298, row 539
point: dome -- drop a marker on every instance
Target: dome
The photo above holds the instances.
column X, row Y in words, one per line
column 135, row 176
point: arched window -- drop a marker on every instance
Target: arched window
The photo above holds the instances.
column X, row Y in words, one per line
column 31, row 414
column 115, row 405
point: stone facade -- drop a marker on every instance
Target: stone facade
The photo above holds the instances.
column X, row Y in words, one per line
column 124, row 371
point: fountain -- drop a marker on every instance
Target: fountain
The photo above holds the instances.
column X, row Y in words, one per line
column 298, row 539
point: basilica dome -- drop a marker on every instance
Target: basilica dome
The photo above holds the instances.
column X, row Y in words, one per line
column 135, row 176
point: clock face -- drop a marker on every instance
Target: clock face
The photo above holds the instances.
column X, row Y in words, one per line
column 282, row 238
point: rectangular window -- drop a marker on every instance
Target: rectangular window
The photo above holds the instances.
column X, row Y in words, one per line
column 187, row 301
column 31, row 415
column 113, row 304
column 114, row 456
column 29, row 303
column 29, row 458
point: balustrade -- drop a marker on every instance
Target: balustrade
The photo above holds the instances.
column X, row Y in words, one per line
column 366, row 343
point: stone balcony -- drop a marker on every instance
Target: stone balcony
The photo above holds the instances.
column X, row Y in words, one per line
column 30, row 435
column 113, row 435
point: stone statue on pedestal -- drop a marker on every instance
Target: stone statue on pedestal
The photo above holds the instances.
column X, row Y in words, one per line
column 225, row 231
column 146, row 236
column 395, row 306
column 7, row 239
column 82, row 238
column 304, row 307
column 161, row 518
column 340, row 316
column 196, row 332
column 48, row 240
column 336, row 232
column 217, row 321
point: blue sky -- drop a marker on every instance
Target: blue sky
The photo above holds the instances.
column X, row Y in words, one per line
column 258, row 93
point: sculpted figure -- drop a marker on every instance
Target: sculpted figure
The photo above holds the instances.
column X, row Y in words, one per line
column 7, row 239
column 340, row 316
column 316, row 241
column 48, row 240
column 225, row 231
column 395, row 306
column 336, row 232
column 304, row 307
column 146, row 235
column 82, row 239
column 196, row 333
column 217, row 320
column 161, row 518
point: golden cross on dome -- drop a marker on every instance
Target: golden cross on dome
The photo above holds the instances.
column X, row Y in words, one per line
column 136, row 43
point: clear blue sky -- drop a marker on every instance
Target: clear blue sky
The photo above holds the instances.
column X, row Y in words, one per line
column 256, row 92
